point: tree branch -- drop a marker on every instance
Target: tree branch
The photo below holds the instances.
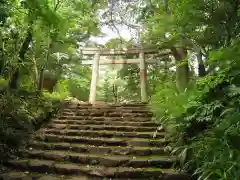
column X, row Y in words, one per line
column 57, row 5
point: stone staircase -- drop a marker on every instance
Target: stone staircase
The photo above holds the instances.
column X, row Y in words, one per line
column 101, row 142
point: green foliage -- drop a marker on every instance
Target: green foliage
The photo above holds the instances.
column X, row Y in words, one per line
column 168, row 104
column 19, row 118
column 79, row 88
column 39, row 39
column 61, row 91
column 105, row 88
column 3, row 84
column 130, row 74
column 46, row 38
column 204, row 120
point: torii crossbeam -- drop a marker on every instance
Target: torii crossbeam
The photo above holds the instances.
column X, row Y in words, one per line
column 99, row 60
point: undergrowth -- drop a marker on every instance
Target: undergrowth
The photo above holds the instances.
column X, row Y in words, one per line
column 22, row 112
column 203, row 122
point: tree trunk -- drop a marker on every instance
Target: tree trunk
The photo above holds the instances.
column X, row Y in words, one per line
column 14, row 79
column 201, row 67
column 40, row 81
column 166, row 69
column 41, row 76
column 35, row 75
column 115, row 93
column 2, row 61
column 182, row 69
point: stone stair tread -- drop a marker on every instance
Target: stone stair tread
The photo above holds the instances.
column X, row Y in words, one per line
column 107, row 109
column 97, row 142
column 104, row 118
column 107, row 127
column 134, row 109
column 115, row 111
column 102, row 159
column 117, row 150
column 102, row 141
column 118, row 123
column 117, row 157
column 44, row 166
column 98, row 116
column 105, row 114
column 20, row 175
column 71, row 132
column 108, row 106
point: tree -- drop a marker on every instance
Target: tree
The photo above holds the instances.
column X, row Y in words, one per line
column 47, row 37
column 34, row 10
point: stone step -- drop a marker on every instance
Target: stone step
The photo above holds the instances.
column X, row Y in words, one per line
column 98, row 113
column 116, row 123
column 140, row 142
column 105, row 114
column 108, row 109
column 75, row 107
column 18, row 175
column 132, row 104
column 94, row 109
column 106, row 127
column 106, row 160
column 103, row 118
column 105, row 104
column 47, row 166
column 113, row 150
column 116, row 114
column 108, row 134
column 97, row 142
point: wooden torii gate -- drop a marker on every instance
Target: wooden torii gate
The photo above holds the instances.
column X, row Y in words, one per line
column 100, row 59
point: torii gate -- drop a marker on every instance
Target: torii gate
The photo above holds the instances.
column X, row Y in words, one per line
column 98, row 60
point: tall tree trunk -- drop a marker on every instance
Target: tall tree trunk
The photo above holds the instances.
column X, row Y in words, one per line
column 14, row 79
column 201, row 68
column 166, row 6
column 182, row 69
column 41, row 76
column 40, row 81
column 165, row 69
column 115, row 93
column 50, row 45
column 35, row 70
column 2, row 60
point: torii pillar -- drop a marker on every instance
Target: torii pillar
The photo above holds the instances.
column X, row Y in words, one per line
column 95, row 73
column 143, row 77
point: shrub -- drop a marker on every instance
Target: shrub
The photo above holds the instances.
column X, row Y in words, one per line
column 21, row 112
column 206, row 119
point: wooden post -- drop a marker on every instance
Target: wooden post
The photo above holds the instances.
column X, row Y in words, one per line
column 143, row 77
column 95, row 73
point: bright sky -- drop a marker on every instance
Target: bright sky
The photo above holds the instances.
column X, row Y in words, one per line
column 110, row 34
column 126, row 34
